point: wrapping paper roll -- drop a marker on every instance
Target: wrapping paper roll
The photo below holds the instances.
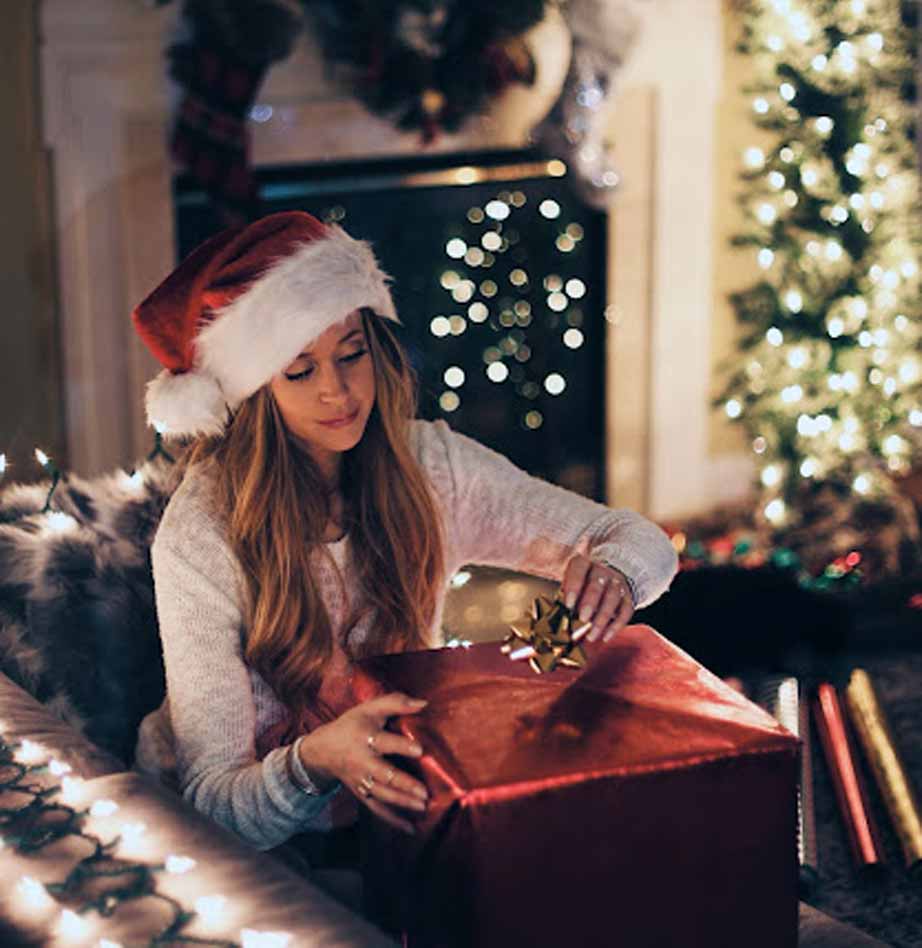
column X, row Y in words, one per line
column 863, row 835
column 877, row 742
column 784, row 699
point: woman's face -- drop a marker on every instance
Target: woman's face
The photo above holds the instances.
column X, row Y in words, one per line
column 333, row 380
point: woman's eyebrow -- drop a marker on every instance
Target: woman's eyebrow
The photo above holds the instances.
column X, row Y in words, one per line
column 345, row 338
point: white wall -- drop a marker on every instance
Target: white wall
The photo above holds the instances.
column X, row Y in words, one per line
column 679, row 54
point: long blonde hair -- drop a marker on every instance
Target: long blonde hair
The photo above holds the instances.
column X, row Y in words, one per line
column 277, row 506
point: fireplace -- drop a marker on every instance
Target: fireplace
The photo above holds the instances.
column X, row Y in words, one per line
column 106, row 112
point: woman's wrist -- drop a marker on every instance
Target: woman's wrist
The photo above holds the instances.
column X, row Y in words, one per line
column 302, row 761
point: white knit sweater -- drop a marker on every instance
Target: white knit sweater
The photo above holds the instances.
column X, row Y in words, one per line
column 204, row 736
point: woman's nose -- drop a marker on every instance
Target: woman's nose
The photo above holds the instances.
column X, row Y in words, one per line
column 332, row 383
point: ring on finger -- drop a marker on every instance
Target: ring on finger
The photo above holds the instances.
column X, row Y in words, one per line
column 371, row 741
column 389, row 779
column 366, row 784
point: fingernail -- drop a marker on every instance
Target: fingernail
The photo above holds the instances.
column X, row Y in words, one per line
column 421, row 792
column 419, row 702
column 416, row 750
column 419, row 805
column 585, row 613
column 571, row 600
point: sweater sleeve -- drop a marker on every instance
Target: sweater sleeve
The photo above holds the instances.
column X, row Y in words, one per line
column 501, row 516
column 212, row 710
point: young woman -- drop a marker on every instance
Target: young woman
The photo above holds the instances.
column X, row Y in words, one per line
column 317, row 521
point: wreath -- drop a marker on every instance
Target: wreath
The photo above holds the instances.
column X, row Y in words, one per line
column 428, row 64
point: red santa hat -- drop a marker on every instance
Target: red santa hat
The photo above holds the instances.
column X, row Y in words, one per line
column 242, row 306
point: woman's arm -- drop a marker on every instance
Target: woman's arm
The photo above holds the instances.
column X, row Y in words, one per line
column 501, row 516
column 210, row 695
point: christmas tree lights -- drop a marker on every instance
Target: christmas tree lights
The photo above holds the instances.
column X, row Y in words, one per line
column 828, row 386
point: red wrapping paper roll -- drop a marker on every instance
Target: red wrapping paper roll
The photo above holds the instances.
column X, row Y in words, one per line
column 863, row 835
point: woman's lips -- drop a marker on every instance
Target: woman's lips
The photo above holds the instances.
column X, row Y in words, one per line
column 341, row 422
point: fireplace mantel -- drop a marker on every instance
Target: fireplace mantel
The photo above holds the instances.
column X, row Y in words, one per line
column 106, row 106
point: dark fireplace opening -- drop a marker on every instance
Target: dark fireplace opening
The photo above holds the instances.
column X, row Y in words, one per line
column 500, row 282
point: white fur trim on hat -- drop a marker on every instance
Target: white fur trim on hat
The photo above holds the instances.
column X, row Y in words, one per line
column 188, row 404
column 298, row 298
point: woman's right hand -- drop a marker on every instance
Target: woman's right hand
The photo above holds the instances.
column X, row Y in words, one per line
column 350, row 748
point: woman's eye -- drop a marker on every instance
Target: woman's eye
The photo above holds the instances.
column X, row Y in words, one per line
column 352, row 357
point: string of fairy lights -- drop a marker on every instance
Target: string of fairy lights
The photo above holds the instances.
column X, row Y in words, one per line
column 58, row 805
column 829, row 385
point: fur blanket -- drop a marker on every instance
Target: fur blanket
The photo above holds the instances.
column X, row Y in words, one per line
column 78, row 626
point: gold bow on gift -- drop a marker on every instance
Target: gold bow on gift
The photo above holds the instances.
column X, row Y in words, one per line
column 549, row 637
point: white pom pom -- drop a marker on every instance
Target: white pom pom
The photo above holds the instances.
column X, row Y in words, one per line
column 188, row 404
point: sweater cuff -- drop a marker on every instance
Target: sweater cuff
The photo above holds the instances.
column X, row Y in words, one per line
column 631, row 567
column 288, row 795
column 299, row 774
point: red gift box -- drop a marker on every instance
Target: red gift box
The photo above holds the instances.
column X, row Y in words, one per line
column 637, row 802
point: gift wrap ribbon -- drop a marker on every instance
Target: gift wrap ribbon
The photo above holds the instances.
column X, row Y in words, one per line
column 548, row 637
column 877, row 742
column 783, row 698
column 863, row 835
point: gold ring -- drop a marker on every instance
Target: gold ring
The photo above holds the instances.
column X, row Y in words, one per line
column 371, row 740
column 390, row 776
column 366, row 784
column 601, row 579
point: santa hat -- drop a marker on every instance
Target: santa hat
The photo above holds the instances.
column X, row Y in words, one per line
column 243, row 306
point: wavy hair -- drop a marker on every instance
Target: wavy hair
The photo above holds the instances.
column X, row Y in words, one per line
column 277, row 505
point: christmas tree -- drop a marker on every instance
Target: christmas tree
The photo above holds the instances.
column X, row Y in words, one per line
column 828, row 382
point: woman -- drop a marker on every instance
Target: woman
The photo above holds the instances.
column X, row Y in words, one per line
column 317, row 521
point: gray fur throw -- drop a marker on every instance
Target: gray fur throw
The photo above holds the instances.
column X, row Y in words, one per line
column 78, row 627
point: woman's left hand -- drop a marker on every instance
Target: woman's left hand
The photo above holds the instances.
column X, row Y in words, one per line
column 598, row 594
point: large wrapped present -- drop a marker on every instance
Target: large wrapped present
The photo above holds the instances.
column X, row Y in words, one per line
column 637, row 802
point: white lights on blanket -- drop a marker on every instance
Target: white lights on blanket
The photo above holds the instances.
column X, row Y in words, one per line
column 30, row 752
column 103, row 808
column 132, row 839
column 73, row 791
column 179, row 865
column 254, row 939
column 210, row 909
column 33, row 895
column 58, row 522
column 132, row 482
column 72, row 927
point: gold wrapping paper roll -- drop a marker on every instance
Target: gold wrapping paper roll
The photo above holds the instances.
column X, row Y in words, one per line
column 880, row 750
